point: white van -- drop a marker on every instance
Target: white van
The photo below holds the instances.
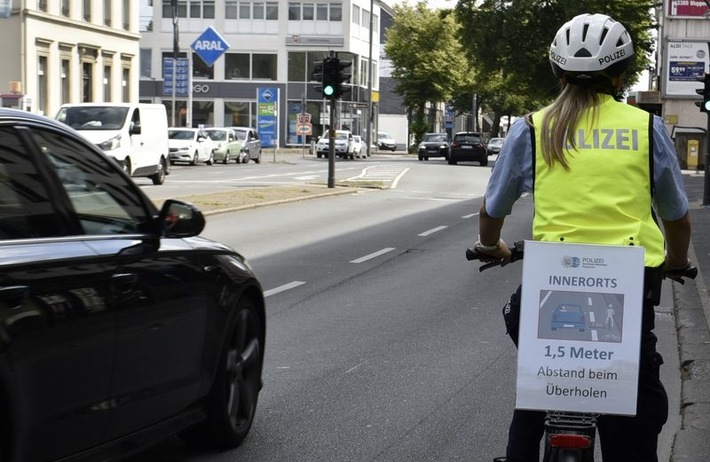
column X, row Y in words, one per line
column 135, row 135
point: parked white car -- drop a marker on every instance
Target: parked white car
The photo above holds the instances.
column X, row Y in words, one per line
column 344, row 145
column 190, row 145
column 359, row 149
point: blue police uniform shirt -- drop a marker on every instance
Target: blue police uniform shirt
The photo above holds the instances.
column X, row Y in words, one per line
column 513, row 173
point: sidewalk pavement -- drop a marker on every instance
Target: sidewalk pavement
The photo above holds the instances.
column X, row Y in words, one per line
column 692, row 314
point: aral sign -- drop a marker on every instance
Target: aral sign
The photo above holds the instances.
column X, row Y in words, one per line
column 209, row 46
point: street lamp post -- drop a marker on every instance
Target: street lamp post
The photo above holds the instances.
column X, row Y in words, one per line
column 368, row 135
column 176, row 51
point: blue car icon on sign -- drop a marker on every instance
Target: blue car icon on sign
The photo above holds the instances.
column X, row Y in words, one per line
column 568, row 316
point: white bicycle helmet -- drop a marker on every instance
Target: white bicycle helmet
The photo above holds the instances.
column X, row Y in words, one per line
column 590, row 46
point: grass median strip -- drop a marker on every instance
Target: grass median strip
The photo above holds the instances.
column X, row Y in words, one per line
column 256, row 196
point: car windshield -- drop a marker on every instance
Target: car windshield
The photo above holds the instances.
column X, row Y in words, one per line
column 93, row 117
column 341, row 136
column 434, row 137
column 496, row 142
column 241, row 134
column 181, row 134
column 217, row 135
column 383, row 135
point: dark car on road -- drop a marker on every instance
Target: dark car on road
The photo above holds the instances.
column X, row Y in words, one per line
column 119, row 324
column 433, row 145
column 468, row 146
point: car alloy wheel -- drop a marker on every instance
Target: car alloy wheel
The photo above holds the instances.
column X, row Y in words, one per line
column 231, row 405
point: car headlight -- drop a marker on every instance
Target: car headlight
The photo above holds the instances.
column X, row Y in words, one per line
column 443, row 146
column 111, row 143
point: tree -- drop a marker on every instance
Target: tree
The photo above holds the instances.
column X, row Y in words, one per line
column 509, row 42
column 428, row 62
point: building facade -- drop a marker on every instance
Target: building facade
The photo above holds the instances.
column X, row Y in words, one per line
column 271, row 48
column 69, row 51
column 682, row 56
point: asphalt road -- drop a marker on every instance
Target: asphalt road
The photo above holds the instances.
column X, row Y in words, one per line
column 383, row 342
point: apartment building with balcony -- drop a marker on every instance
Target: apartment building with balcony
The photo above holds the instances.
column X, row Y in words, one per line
column 69, row 51
column 272, row 45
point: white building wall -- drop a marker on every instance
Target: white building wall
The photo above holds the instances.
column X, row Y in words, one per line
column 53, row 35
column 264, row 37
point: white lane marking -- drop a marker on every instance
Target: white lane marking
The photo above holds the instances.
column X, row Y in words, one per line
column 595, row 337
column 470, row 215
column 283, row 288
column 432, row 231
column 545, row 299
column 591, row 317
column 361, row 174
column 589, row 301
column 372, row 255
column 398, row 177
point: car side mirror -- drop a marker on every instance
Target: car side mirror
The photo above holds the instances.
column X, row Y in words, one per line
column 135, row 128
column 179, row 219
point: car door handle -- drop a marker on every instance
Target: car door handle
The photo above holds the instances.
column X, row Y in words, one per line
column 13, row 295
column 124, row 281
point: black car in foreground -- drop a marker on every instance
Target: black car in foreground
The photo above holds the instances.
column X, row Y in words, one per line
column 119, row 324
column 434, row 145
column 468, row 146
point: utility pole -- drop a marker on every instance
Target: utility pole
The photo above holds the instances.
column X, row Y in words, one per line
column 176, row 52
column 704, row 106
column 368, row 134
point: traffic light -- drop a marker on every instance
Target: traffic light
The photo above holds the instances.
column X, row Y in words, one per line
column 343, row 77
column 330, row 77
column 704, row 105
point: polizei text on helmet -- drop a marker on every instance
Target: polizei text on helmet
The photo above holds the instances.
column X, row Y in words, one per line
column 612, row 57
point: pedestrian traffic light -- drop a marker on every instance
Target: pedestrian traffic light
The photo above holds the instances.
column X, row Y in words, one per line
column 330, row 77
column 344, row 75
column 704, row 105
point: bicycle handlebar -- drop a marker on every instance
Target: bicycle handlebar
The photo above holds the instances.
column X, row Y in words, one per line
column 517, row 251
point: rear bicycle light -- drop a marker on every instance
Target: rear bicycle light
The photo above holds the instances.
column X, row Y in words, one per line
column 570, row 440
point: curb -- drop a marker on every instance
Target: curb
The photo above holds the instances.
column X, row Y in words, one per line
column 691, row 307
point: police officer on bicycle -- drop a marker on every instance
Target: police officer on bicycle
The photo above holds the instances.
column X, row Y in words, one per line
column 601, row 171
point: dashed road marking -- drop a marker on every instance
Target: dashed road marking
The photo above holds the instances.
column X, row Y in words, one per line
column 373, row 255
column 432, row 231
column 289, row 286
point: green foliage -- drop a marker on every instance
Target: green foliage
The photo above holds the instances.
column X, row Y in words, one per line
column 507, row 42
column 428, row 61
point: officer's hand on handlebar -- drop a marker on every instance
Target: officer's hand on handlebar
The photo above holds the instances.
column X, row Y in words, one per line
column 678, row 272
column 496, row 253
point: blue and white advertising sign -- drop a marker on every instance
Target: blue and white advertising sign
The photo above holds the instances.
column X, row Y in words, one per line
column 581, row 308
column 449, row 117
column 686, row 62
column 267, row 119
column 209, row 46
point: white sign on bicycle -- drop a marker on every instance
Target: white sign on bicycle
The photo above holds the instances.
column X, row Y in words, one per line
column 579, row 341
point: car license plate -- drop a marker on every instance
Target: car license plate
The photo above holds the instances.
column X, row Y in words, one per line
column 467, row 147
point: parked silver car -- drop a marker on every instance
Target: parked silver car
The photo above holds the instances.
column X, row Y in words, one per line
column 250, row 138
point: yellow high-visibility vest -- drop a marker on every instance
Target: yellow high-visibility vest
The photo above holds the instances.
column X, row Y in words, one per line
column 605, row 196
